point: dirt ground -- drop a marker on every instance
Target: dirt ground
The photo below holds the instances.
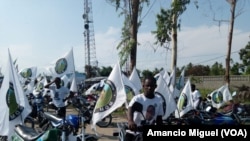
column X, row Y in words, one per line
column 106, row 134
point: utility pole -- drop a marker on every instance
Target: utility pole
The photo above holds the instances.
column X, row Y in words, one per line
column 230, row 38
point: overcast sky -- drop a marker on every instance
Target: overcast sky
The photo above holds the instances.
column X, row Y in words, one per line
column 37, row 32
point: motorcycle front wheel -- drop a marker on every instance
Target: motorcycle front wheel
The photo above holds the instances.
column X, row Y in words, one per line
column 105, row 122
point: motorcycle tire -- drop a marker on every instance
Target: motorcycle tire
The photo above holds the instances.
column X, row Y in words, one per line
column 105, row 122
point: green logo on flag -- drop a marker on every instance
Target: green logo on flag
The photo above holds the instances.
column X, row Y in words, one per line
column 217, row 97
column 61, row 66
column 26, row 73
column 107, row 97
column 15, row 109
column 182, row 103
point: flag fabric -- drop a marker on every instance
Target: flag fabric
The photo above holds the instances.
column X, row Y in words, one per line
column 13, row 103
column 220, row 96
column 92, row 89
column 156, row 76
column 171, row 83
column 28, row 73
column 29, row 87
column 4, row 116
column 65, row 81
column 111, row 97
column 41, row 84
column 179, row 85
column 164, row 74
column 135, row 80
column 73, row 86
column 169, row 104
column 181, row 81
column 63, row 65
column 185, row 103
column 130, row 89
column 130, row 85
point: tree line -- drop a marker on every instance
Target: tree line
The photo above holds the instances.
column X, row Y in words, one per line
column 238, row 68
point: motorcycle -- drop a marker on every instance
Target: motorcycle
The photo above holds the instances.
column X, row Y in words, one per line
column 86, row 105
column 68, row 125
column 123, row 126
column 25, row 133
column 210, row 116
column 57, row 129
column 36, row 101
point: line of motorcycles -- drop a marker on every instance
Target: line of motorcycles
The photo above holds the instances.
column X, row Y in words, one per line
column 237, row 115
column 52, row 127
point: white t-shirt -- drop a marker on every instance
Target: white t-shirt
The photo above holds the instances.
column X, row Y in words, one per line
column 151, row 109
column 196, row 98
column 58, row 95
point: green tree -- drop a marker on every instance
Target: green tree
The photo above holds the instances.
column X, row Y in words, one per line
column 128, row 45
column 217, row 69
column 197, row 70
column 245, row 58
column 167, row 26
column 146, row 73
column 236, row 68
column 105, row 71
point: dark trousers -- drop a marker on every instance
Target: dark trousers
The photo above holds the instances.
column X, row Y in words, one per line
column 61, row 112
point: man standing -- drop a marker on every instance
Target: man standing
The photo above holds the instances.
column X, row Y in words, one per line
column 196, row 97
column 59, row 95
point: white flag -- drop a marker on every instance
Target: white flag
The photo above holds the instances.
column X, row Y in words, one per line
column 13, row 103
column 65, row 81
column 28, row 88
column 63, row 65
column 169, row 104
column 130, row 89
column 185, row 103
column 181, row 81
column 28, row 73
column 111, row 97
column 171, row 84
column 131, row 86
column 164, row 74
column 135, row 80
column 92, row 89
column 220, row 96
column 73, row 86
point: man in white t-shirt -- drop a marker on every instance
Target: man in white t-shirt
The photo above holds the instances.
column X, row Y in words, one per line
column 151, row 108
column 196, row 97
column 59, row 95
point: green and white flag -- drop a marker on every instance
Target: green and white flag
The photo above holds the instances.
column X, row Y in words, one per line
column 185, row 103
column 220, row 96
column 63, row 65
column 14, row 104
column 112, row 96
